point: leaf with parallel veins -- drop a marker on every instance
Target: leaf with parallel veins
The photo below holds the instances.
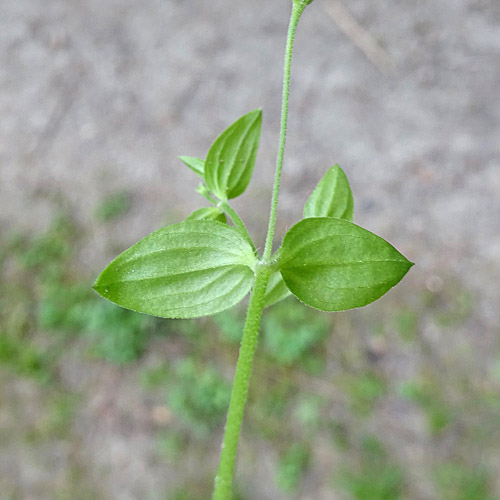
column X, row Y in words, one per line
column 332, row 264
column 332, row 197
column 231, row 158
column 186, row 270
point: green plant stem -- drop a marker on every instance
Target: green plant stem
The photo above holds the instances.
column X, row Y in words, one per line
column 298, row 8
column 224, row 478
column 202, row 190
column 236, row 219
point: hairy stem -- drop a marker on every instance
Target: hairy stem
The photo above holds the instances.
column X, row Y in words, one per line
column 298, row 8
column 224, row 478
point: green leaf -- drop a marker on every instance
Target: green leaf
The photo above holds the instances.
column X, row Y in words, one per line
column 197, row 165
column 208, row 213
column 332, row 264
column 186, row 270
column 276, row 290
column 231, row 158
column 332, row 197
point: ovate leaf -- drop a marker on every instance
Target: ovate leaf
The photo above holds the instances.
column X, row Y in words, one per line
column 276, row 290
column 185, row 270
column 208, row 213
column 231, row 159
column 332, row 197
column 197, row 165
column 332, row 264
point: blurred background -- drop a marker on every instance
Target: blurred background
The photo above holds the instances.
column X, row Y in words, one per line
column 399, row 400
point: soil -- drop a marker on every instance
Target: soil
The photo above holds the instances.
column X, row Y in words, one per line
column 98, row 97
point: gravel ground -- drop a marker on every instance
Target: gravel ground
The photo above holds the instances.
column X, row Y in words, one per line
column 99, row 96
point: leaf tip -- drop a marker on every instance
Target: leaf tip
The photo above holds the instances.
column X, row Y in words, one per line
column 100, row 287
column 257, row 112
column 185, row 159
column 99, row 290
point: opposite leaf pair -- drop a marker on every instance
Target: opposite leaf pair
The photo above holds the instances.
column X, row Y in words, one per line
column 203, row 266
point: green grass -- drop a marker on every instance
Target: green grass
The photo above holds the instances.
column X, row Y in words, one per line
column 374, row 477
column 230, row 324
column 307, row 412
column 58, row 415
column 457, row 482
column 292, row 467
column 303, row 346
column 199, row 395
column 186, row 494
column 171, row 444
column 268, row 409
column 46, row 304
column 363, row 390
column 18, row 353
column 406, row 323
column 44, row 292
column 157, row 376
column 113, row 206
column 427, row 394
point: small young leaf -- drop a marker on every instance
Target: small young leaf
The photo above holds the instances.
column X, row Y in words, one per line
column 276, row 290
column 186, row 270
column 231, row 158
column 332, row 264
column 208, row 213
column 197, row 165
column 332, row 197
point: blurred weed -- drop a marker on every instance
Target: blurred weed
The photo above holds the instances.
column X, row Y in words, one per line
column 340, row 435
column 375, row 477
column 427, row 395
column 363, row 390
column 154, row 377
column 47, row 254
column 43, row 292
column 186, row 494
column 44, row 304
column 230, row 324
column 194, row 331
column 406, row 323
column 20, row 349
column 23, row 357
column 113, row 206
column 76, row 486
column 456, row 482
column 292, row 467
column 307, row 412
column 118, row 335
column 452, row 305
column 56, row 418
column 458, row 308
column 183, row 495
column 267, row 409
column 77, row 311
column 310, row 330
column 171, row 445
column 60, row 414
column 199, row 396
